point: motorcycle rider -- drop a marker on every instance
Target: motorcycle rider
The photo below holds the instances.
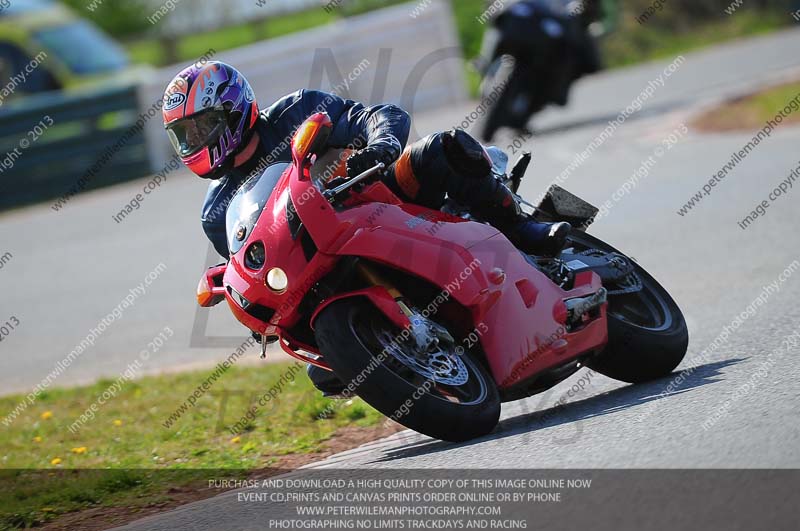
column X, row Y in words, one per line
column 214, row 124
column 513, row 36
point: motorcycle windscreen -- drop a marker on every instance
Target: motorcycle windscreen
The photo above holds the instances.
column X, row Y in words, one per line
column 246, row 206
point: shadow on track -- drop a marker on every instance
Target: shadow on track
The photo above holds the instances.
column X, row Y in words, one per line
column 646, row 112
column 614, row 401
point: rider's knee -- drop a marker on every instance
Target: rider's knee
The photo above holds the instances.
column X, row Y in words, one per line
column 466, row 155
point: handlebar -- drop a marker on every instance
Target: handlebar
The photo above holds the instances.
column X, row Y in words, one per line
column 331, row 194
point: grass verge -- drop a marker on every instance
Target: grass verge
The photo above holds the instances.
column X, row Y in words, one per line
column 47, row 470
column 633, row 43
column 750, row 112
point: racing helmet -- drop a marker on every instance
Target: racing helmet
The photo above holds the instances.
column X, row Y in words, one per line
column 209, row 112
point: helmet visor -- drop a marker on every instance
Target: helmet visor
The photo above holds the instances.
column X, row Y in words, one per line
column 191, row 134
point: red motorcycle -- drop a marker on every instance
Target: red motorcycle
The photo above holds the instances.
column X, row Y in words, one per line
column 432, row 317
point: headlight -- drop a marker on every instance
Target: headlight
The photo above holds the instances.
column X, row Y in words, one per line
column 255, row 256
column 277, row 279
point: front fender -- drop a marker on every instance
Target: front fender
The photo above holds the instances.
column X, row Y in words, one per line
column 377, row 295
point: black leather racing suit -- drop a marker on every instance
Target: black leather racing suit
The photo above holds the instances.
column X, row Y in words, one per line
column 354, row 125
column 442, row 164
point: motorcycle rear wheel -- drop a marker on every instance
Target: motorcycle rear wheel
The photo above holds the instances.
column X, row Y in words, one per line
column 353, row 336
column 647, row 333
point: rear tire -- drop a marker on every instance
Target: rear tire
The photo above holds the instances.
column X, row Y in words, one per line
column 637, row 353
column 346, row 347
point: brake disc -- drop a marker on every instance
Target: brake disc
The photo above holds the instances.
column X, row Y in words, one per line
column 443, row 367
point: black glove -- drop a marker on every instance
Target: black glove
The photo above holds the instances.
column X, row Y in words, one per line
column 365, row 159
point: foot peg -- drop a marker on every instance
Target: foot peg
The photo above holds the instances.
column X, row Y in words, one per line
column 327, row 382
column 557, row 238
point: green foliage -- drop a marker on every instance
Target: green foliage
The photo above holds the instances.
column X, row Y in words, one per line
column 685, row 25
column 190, row 47
column 356, row 411
column 750, row 112
column 680, row 26
column 120, row 19
column 140, row 458
column 355, row 7
column 470, row 31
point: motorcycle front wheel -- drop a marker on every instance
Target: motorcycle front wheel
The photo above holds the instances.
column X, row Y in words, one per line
column 513, row 94
column 446, row 393
column 498, row 89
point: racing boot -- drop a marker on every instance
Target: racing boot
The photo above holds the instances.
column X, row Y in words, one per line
column 494, row 202
column 326, row 381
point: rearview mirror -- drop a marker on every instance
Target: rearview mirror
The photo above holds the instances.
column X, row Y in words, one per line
column 311, row 137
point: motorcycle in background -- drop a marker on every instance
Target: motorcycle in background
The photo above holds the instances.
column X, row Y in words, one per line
column 530, row 57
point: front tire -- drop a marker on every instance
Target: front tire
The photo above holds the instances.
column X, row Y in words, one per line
column 349, row 333
column 503, row 75
column 647, row 333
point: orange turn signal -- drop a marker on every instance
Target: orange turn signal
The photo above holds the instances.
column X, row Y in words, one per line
column 209, row 291
column 310, row 136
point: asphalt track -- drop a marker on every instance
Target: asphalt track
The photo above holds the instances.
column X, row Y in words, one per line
column 72, row 268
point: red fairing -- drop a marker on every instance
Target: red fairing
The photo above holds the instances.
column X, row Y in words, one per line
column 378, row 296
column 521, row 338
column 516, row 311
column 282, row 251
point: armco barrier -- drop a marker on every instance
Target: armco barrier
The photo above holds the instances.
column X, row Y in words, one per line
column 93, row 140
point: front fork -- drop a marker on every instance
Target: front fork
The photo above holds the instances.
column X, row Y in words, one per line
column 425, row 332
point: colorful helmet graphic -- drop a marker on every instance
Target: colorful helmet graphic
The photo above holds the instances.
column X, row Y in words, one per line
column 209, row 112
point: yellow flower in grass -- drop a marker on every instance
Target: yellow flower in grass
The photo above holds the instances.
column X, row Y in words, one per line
column 79, row 450
column 55, row 461
column 37, row 439
column 118, row 423
column 47, row 415
column 236, row 440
